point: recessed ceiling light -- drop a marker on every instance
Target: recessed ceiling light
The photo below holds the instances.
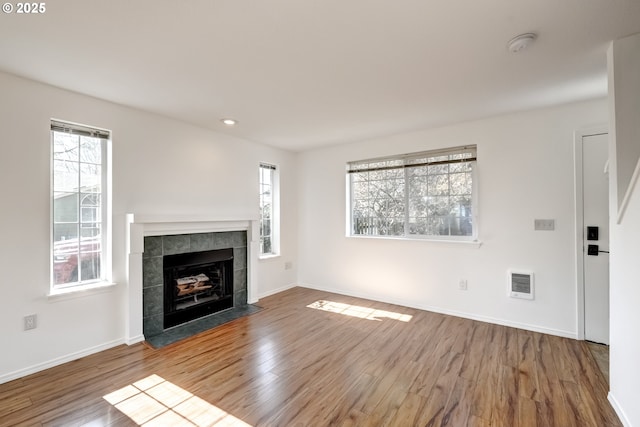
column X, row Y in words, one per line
column 229, row 122
column 521, row 42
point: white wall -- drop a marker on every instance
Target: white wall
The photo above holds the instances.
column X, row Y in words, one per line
column 160, row 166
column 624, row 70
column 625, row 316
column 525, row 171
column 624, row 106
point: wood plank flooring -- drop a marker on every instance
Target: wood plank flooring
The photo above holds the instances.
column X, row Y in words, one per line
column 352, row 362
column 600, row 353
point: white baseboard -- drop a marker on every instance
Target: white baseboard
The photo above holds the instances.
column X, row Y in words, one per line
column 471, row 316
column 616, row 407
column 58, row 361
column 276, row 291
column 77, row 355
column 134, row 340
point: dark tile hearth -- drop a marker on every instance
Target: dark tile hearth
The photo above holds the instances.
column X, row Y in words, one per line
column 186, row 330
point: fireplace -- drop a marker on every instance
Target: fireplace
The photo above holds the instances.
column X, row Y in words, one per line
column 190, row 276
column 197, row 284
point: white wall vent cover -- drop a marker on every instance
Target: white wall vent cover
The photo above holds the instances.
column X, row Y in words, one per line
column 520, row 284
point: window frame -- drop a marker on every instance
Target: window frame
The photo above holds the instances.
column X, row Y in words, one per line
column 105, row 276
column 406, row 162
column 275, row 210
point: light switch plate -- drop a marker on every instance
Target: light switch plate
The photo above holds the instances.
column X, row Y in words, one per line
column 544, row 224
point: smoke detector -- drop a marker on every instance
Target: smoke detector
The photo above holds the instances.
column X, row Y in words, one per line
column 521, row 42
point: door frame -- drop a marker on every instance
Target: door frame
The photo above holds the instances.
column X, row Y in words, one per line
column 578, row 135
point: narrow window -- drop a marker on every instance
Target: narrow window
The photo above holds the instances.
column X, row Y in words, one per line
column 80, row 211
column 269, row 210
column 418, row 195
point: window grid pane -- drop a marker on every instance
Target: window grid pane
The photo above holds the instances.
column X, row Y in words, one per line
column 378, row 206
column 266, row 209
column 438, row 198
column 77, row 208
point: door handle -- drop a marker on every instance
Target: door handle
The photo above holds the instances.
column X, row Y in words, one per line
column 594, row 250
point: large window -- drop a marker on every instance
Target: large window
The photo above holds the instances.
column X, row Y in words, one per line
column 80, row 189
column 422, row 195
column 269, row 212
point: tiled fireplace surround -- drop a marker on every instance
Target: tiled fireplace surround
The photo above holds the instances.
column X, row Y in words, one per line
column 155, row 247
column 149, row 238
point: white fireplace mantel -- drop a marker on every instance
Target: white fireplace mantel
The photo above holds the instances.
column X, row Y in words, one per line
column 140, row 226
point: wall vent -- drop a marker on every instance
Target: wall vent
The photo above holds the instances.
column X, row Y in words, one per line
column 520, row 284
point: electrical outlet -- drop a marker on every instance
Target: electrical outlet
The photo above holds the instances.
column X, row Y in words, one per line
column 288, row 265
column 30, row 322
column 462, row 284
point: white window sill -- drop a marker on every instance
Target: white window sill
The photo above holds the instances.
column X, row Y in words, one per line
column 80, row 291
column 474, row 243
column 268, row 256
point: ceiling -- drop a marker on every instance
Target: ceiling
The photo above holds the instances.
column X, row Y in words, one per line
column 302, row 74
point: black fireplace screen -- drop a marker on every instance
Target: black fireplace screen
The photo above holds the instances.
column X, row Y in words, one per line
column 197, row 284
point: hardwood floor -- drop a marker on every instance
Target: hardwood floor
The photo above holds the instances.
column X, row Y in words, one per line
column 600, row 353
column 342, row 363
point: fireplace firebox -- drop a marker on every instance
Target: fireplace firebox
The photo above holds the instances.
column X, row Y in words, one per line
column 197, row 284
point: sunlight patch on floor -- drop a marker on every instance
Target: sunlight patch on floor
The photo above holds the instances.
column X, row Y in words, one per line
column 358, row 311
column 154, row 401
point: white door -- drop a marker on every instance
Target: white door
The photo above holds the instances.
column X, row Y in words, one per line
column 596, row 214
